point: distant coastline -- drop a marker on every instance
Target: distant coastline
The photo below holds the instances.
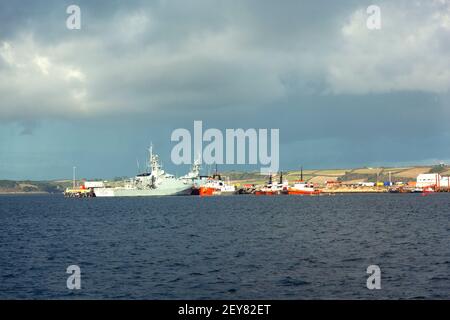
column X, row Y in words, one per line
column 316, row 176
column 23, row 192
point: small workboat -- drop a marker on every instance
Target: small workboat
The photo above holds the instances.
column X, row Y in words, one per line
column 302, row 188
column 271, row 188
column 215, row 186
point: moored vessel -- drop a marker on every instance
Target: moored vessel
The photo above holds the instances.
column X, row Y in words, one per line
column 154, row 183
column 216, row 186
column 301, row 187
column 273, row 188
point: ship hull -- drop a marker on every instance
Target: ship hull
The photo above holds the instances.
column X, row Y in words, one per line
column 267, row 193
column 205, row 192
column 302, row 192
column 130, row 192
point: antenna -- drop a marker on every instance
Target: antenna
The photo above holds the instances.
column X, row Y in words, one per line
column 150, row 151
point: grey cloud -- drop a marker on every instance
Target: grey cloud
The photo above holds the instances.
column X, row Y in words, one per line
column 161, row 55
column 310, row 68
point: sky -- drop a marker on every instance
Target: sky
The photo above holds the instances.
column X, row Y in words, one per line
column 341, row 95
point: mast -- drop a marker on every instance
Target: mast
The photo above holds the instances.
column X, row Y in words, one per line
column 150, row 159
column 196, row 167
column 301, row 173
column 74, row 180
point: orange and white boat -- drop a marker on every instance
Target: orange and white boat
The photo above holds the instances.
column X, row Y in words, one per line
column 267, row 191
column 271, row 189
column 216, row 186
column 302, row 188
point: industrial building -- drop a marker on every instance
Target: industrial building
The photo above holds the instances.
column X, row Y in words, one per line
column 432, row 180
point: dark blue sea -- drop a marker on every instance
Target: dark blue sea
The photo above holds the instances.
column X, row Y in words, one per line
column 236, row 247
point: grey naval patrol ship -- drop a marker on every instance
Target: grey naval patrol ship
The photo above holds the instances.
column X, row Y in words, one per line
column 154, row 183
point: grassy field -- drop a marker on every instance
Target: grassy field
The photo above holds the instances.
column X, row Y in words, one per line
column 320, row 176
column 412, row 173
column 368, row 170
column 335, row 172
column 8, row 186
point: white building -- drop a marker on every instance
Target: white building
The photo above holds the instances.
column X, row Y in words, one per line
column 432, row 179
column 366, row 184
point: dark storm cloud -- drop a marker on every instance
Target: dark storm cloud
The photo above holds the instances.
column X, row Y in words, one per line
column 310, row 68
column 165, row 55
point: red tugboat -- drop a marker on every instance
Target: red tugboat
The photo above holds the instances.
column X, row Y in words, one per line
column 271, row 189
column 302, row 188
column 215, row 186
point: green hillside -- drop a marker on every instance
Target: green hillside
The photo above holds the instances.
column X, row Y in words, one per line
column 317, row 176
column 371, row 174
